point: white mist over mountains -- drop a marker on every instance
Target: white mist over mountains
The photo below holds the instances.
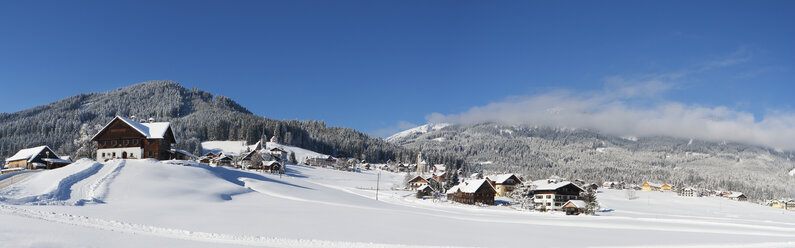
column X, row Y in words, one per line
column 614, row 111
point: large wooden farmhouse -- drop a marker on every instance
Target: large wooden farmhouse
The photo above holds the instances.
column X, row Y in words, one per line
column 41, row 157
column 551, row 194
column 472, row 192
column 123, row 138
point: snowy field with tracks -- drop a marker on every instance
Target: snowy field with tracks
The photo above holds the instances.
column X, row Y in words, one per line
column 146, row 203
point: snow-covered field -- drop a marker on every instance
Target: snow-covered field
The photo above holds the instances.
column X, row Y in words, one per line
column 145, row 203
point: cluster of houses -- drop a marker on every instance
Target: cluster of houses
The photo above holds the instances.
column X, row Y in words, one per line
column 554, row 194
column 782, row 204
column 270, row 160
column 683, row 191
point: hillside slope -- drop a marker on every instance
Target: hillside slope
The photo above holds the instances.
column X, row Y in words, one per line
column 578, row 153
column 195, row 115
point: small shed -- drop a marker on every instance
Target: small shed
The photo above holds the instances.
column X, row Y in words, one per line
column 271, row 166
column 574, row 207
column 425, row 190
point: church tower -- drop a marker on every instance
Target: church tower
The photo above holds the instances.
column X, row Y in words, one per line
column 422, row 166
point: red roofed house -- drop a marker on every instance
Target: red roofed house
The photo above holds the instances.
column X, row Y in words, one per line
column 126, row 139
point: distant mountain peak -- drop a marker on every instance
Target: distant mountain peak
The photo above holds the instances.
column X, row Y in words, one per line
column 415, row 130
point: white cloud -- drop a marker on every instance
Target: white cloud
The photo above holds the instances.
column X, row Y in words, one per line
column 634, row 106
column 611, row 111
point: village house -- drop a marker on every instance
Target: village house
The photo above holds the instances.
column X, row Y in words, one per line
column 440, row 176
column 551, row 194
column 647, row 186
column 417, row 182
column 320, row 161
column 613, row 185
column 504, row 184
column 223, row 160
column 123, row 138
column 245, row 161
column 472, row 192
column 424, row 191
column 207, row 158
column 278, row 153
column 689, row 192
column 782, row 204
column 736, row 196
column 41, row 157
column 183, row 155
column 271, row 166
column 574, row 207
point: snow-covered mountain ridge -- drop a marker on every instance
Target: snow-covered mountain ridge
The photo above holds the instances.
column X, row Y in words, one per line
column 416, row 130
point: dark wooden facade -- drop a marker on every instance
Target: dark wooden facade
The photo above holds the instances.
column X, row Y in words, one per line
column 119, row 134
column 483, row 195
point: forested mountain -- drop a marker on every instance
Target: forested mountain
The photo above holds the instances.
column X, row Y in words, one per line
column 538, row 152
column 195, row 116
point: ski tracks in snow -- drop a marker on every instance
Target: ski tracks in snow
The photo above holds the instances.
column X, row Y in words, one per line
column 118, row 226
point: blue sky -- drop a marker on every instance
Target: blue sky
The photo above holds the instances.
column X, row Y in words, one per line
column 379, row 66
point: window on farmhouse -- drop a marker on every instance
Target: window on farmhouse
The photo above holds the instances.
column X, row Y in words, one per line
column 113, row 143
column 126, row 142
column 135, row 142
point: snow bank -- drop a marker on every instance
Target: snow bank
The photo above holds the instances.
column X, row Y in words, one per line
column 316, row 207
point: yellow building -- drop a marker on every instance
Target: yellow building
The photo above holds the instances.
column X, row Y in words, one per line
column 504, row 184
column 778, row 204
column 649, row 187
column 665, row 188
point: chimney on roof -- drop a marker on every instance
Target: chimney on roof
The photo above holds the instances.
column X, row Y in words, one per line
column 132, row 117
column 151, row 119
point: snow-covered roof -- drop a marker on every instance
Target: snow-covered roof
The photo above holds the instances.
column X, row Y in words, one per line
column 502, row 178
column 186, row 153
column 29, row 153
column 151, row 130
column 735, row 194
column 423, row 187
column 656, row 185
column 269, row 163
column 576, row 203
column 440, row 167
column 546, row 184
column 473, row 185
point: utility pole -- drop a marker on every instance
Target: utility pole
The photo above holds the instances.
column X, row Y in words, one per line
column 377, row 182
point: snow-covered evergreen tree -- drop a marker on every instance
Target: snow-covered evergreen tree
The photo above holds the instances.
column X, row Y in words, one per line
column 86, row 147
column 589, row 197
